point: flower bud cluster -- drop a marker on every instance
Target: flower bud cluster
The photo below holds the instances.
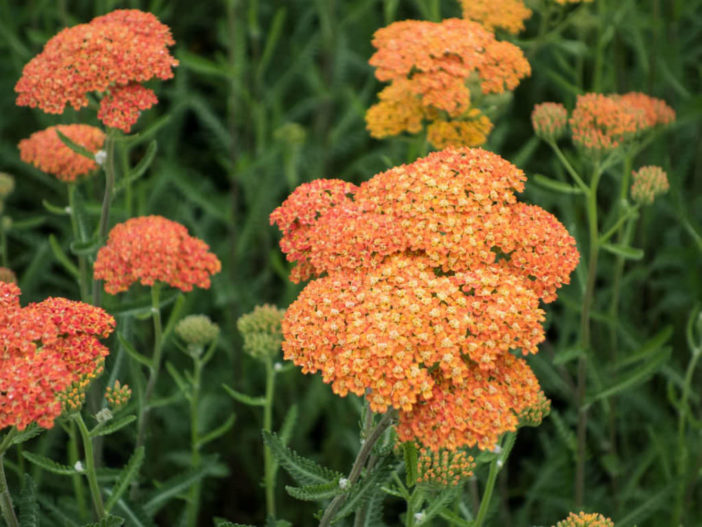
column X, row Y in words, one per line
column 262, row 332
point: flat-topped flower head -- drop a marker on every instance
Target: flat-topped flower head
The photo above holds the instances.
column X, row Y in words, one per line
column 49, row 353
column 151, row 249
column 108, row 54
column 508, row 15
column 549, row 120
column 435, row 70
column 656, row 111
column 428, row 278
column 649, row 182
column 584, row 519
column 46, row 151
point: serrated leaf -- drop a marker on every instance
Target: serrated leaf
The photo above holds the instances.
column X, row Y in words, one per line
column 555, row 186
column 217, row 432
column 134, row 514
column 273, row 522
column 650, row 347
column 321, row 492
column 32, row 431
column 129, row 472
column 62, row 257
column 243, row 398
column 49, row 464
column 303, row 470
column 112, row 427
column 78, row 149
column 624, row 251
column 27, row 504
column 438, row 504
column 107, row 521
column 362, row 491
column 288, row 425
column 132, row 352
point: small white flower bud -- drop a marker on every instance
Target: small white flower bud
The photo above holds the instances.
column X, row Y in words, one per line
column 343, row 483
column 79, row 467
column 103, row 416
column 419, row 517
column 100, row 157
column 500, row 463
column 277, row 366
column 497, row 449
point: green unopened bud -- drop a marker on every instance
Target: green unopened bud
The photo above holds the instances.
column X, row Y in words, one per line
column 7, row 275
column 291, row 133
column 549, row 120
column 649, row 182
column 197, row 331
column 533, row 415
column 262, row 331
column 7, row 185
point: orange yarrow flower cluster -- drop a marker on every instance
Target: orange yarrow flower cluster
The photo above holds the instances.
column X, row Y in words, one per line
column 152, row 249
column 497, row 14
column 584, row 519
column 428, row 277
column 550, row 120
column 601, row 123
column 431, row 68
column 112, row 55
column 49, row 353
column 46, row 151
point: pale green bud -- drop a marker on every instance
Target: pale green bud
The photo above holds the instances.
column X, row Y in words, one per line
column 262, row 331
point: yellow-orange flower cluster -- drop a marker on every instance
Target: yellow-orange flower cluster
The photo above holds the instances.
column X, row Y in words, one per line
column 49, row 352
column 601, row 123
column 444, row 468
column 148, row 249
column 429, row 276
column 649, row 182
column 118, row 395
column 497, row 14
column 584, row 519
column 111, row 55
column 534, row 415
column 48, row 153
column 431, row 68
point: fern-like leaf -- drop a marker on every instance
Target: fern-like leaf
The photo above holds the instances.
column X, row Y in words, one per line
column 107, row 521
column 321, row 492
column 361, row 492
column 27, row 503
column 49, row 464
column 303, row 470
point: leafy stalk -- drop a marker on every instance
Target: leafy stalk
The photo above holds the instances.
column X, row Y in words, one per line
column 8, row 511
column 268, row 463
column 103, row 226
column 90, row 471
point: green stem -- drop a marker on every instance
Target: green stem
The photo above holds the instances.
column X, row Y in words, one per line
column 90, row 471
column 585, row 338
column 629, row 214
column 104, row 224
column 683, row 413
column 360, row 461
column 84, row 275
column 562, row 158
column 193, row 507
column 414, row 505
column 8, row 511
column 155, row 364
column 78, row 488
column 495, row 468
column 267, row 425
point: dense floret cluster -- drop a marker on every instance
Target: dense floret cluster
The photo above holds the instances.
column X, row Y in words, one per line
column 508, row 15
column 428, row 278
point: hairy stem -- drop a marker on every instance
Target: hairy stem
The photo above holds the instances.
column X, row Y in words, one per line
column 155, row 364
column 104, row 224
column 193, row 507
column 585, row 338
column 8, row 511
column 268, row 461
column 358, row 465
column 90, row 471
column 84, row 273
column 495, row 468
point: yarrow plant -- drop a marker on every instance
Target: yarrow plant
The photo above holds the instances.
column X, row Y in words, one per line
column 439, row 72
column 111, row 56
column 428, row 275
column 48, row 153
column 583, row 519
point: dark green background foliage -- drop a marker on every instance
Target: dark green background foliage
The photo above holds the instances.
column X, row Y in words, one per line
column 272, row 93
